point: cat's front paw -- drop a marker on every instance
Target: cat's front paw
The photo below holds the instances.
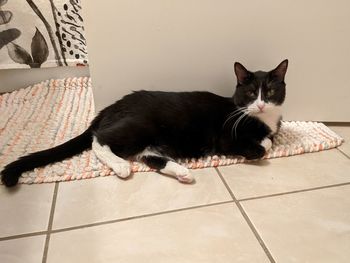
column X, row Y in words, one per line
column 266, row 143
column 255, row 153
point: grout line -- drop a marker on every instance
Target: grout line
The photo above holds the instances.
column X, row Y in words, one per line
column 51, row 231
column 226, row 185
column 247, row 219
column 343, row 153
column 23, row 235
column 137, row 217
column 49, row 228
column 256, row 234
column 293, row 192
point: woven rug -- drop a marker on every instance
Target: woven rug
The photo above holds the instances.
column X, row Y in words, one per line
column 54, row 111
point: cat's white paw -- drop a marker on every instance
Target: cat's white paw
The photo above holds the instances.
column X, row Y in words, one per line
column 184, row 175
column 181, row 173
column 266, row 143
column 122, row 169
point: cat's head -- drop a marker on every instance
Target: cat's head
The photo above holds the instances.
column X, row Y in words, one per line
column 260, row 92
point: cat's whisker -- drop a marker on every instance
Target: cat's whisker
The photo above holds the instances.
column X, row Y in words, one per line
column 231, row 117
column 239, row 109
column 234, row 113
column 244, row 117
column 235, row 125
column 247, row 114
column 242, row 110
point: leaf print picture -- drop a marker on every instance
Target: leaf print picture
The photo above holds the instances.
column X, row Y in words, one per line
column 39, row 50
column 35, row 34
column 7, row 35
column 48, row 28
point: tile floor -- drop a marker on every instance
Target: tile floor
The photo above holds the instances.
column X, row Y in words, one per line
column 294, row 209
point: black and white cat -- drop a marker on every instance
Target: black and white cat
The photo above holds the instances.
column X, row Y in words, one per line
column 159, row 127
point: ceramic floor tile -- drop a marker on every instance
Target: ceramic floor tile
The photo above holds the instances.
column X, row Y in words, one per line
column 345, row 133
column 287, row 174
column 210, row 234
column 311, row 226
column 101, row 199
column 28, row 250
column 25, row 209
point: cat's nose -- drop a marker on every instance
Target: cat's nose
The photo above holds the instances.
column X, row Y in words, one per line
column 261, row 105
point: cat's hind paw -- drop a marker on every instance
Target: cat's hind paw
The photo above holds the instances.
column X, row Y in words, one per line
column 122, row 170
column 181, row 173
column 185, row 176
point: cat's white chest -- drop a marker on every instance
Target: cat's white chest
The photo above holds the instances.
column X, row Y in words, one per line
column 271, row 118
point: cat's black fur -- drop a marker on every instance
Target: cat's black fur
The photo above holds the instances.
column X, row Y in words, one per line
column 175, row 124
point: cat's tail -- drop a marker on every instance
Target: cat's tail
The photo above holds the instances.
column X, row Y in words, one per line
column 12, row 171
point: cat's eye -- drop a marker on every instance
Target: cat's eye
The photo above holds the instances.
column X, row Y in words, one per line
column 250, row 94
column 270, row 93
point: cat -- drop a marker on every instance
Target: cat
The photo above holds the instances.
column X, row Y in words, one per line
column 157, row 127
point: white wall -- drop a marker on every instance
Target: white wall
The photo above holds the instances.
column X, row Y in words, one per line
column 192, row 44
column 13, row 79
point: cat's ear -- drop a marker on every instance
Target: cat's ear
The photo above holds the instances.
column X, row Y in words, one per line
column 279, row 72
column 241, row 72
